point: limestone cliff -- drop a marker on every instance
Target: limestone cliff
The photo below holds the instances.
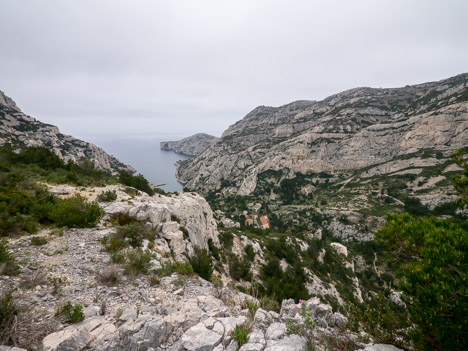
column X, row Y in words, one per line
column 192, row 145
column 352, row 130
column 21, row 130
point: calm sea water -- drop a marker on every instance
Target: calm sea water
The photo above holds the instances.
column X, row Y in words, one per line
column 145, row 155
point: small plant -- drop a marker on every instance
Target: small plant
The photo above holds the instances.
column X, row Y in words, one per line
column 179, row 282
column 118, row 257
column 252, row 306
column 109, row 277
column 216, row 280
column 122, row 218
column 8, row 312
column 107, row 196
column 269, row 304
column 138, row 262
column 38, row 240
column 71, row 313
column 241, row 334
column 34, row 279
column 7, row 261
column 57, row 284
column 153, row 281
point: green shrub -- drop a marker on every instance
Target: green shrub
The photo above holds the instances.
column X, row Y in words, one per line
column 269, row 304
column 241, row 334
column 38, row 240
column 168, row 268
column 118, row 257
column 249, row 253
column 134, row 233
column 138, row 262
column 7, row 261
column 252, row 306
column 71, row 313
column 76, row 212
column 201, row 263
column 431, row 259
column 138, row 182
column 122, row 218
column 239, row 269
column 8, row 311
column 107, row 196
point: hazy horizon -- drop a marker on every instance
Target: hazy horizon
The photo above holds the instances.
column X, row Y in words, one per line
column 150, row 69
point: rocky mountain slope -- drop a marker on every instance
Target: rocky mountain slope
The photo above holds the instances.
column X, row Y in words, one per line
column 359, row 133
column 21, row 130
column 192, row 145
column 175, row 312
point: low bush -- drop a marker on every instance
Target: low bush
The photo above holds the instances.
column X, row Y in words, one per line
column 8, row 312
column 138, row 182
column 38, row 240
column 241, row 334
column 138, row 262
column 122, row 218
column 201, row 263
column 168, row 268
column 239, row 269
column 76, row 212
column 71, row 313
column 107, row 196
column 109, row 276
column 7, row 261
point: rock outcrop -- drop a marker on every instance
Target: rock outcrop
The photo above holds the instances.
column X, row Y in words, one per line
column 193, row 145
column 21, row 130
column 352, row 130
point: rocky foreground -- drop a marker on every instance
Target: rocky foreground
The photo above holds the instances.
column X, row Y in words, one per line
column 175, row 312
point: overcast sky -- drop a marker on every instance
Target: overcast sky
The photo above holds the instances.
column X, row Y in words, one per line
column 178, row 67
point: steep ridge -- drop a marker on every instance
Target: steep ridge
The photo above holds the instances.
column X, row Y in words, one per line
column 192, row 145
column 21, row 130
column 348, row 131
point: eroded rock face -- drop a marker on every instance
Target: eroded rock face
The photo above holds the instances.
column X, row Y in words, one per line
column 21, row 130
column 351, row 130
column 193, row 145
column 184, row 220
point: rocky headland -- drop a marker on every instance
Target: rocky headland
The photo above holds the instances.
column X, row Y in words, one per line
column 191, row 146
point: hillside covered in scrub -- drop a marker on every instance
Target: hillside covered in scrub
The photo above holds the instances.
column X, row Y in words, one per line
column 369, row 259
column 20, row 130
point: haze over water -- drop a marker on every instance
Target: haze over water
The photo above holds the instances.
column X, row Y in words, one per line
column 145, row 155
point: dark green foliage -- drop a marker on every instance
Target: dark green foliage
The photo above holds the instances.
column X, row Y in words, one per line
column 249, row 253
column 381, row 318
column 38, row 240
column 226, row 238
column 40, row 156
column 127, row 235
column 239, row 269
column 8, row 311
column 121, row 218
column 137, row 181
column 214, row 251
column 107, row 196
column 241, row 334
column 460, row 181
column 414, row 207
column 76, row 212
column 432, row 256
column 71, row 313
column 446, row 209
column 201, row 263
column 7, row 261
column 284, row 285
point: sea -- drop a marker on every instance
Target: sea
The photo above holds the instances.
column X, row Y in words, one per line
column 144, row 154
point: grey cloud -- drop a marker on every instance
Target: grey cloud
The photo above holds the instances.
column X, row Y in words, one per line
column 143, row 67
